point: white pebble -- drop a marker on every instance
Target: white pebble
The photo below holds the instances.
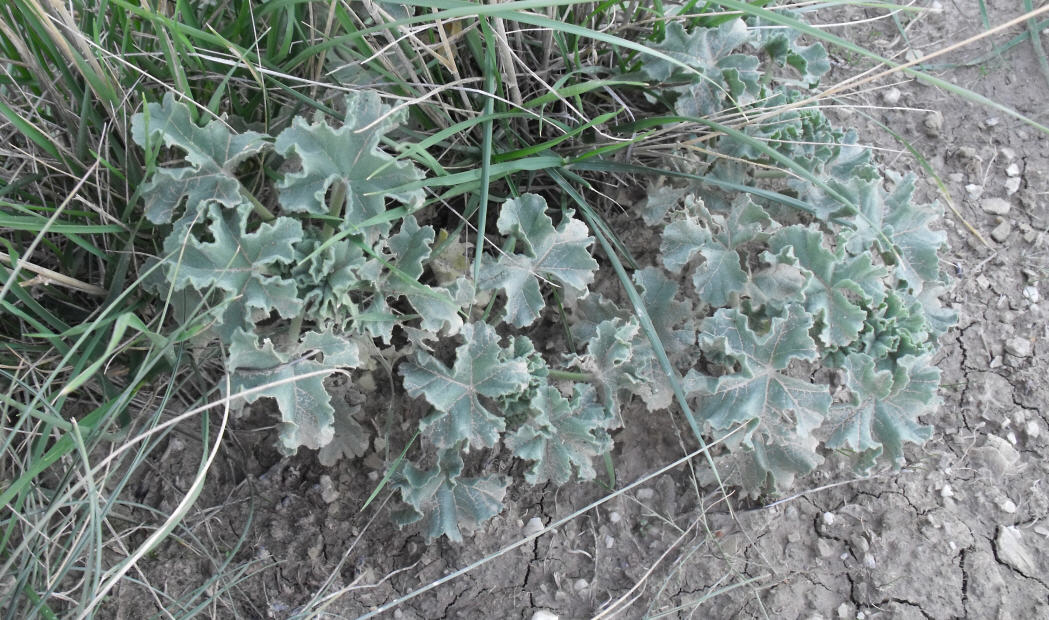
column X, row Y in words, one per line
column 974, row 191
column 1012, row 185
column 952, row 545
column 1032, row 429
column 609, row 542
column 828, row 518
column 1011, row 436
column 534, row 526
column 580, row 584
column 645, row 494
column 543, row 614
column 373, row 476
column 946, row 491
column 995, row 206
column 615, row 517
column 1012, row 170
column 892, row 96
column 1007, row 506
column 1032, row 294
column 1008, row 153
column 991, row 122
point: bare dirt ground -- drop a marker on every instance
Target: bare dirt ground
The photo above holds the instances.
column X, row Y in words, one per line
column 962, row 532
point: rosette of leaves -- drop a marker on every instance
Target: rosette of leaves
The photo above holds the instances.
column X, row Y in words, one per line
column 250, row 263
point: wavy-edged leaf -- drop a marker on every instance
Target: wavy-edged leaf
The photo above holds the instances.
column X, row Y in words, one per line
column 892, row 223
column 246, row 265
column 832, row 280
column 563, row 434
column 720, row 275
column 479, row 370
column 212, row 153
column 450, row 503
column 295, row 379
column 612, row 360
column 438, row 307
column 671, row 317
column 350, row 438
column 348, row 155
column 884, row 410
column 560, row 254
column 780, row 411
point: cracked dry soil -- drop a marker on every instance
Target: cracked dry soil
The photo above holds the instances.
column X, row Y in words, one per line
column 962, row 532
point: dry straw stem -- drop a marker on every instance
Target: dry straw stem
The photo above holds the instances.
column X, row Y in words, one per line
column 47, row 276
column 23, row 261
column 905, row 67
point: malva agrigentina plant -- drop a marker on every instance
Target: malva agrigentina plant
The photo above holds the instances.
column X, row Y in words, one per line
column 825, row 274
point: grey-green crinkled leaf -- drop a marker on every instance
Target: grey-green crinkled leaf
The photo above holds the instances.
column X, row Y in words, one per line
column 244, row 265
column 780, row 412
column 350, row 438
column 885, row 407
column 561, row 434
column 450, row 503
column 612, row 361
column 720, row 275
column 671, row 317
column 456, row 392
column 702, row 49
column 892, row 223
column 438, row 307
column 830, row 285
column 212, row 153
column 295, row 379
column 560, row 254
column 348, row 155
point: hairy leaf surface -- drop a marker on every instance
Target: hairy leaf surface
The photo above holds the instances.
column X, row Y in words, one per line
column 450, row 503
column 244, row 264
column 560, row 254
column 885, row 407
column 563, row 434
column 295, row 379
column 780, row 411
column 348, row 156
column 212, row 153
column 456, row 392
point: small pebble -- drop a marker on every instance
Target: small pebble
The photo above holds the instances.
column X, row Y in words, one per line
column 891, row 96
column 1008, row 153
column 373, row 476
column 1011, row 436
column 974, row 191
column 828, row 518
column 995, row 206
column 543, row 614
column 1031, row 294
column 1018, row 347
column 946, row 491
column 609, row 542
column 1012, row 170
column 580, row 584
column 1032, row 429
column 933, row 122
column 956, row 177
column 615, row 517
column 1012, row 185
column 991, row 122
column 1007, row 506
column 645, row 494
column 328, row 492
column 534, row 526
column 1001, row 232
